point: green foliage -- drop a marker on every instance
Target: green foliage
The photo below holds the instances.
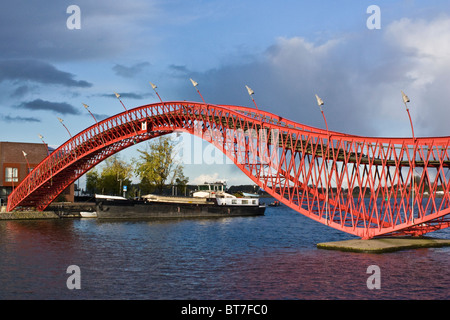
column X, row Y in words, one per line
column 115, row 174
column 92, row 181
column 156, row 166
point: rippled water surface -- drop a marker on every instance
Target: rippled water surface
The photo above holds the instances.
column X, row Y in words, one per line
column 268, row 257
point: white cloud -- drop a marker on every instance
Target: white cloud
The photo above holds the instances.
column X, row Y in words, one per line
column 425, row 45
column 359, row 76
column 423, row 52
column 290, row 49
column 424, row 39
column 205, row 178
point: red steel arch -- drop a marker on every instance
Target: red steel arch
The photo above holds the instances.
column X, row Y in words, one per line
column 360, row 185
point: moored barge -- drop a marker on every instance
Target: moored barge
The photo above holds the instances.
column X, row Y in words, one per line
column 209, row 201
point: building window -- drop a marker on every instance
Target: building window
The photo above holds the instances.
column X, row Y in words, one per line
column 11, row 174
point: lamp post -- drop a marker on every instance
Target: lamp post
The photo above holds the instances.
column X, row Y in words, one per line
column 61, row 120
column 128, row 114
column 73, row 142
column 118, row 97
column 48, row 154
column 46, row 146
column 251, row 93
column 25, row 156
column 320, row 104
column 87, row 108
column 405, row 101
column 154, row 88
column 98, row 127
column 195, row 84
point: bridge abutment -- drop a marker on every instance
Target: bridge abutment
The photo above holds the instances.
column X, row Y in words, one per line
column 387, row 244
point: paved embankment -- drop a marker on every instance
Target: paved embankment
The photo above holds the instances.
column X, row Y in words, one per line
column 26, row 215
column 380, row 245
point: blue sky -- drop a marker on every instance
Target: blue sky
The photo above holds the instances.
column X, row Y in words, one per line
column 286, row 51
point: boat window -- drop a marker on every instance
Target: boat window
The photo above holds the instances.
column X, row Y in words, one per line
column 233, row 201
column 254, row 201
column 244, row 201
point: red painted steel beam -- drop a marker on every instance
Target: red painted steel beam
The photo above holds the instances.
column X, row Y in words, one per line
column 361, row 185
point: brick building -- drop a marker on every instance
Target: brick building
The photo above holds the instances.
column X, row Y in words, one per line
column 17, row 159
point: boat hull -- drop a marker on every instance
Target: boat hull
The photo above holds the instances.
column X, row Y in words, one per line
column 154, row 210
column 88, row 214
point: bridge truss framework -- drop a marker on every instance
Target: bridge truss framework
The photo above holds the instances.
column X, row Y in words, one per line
column 364, row 186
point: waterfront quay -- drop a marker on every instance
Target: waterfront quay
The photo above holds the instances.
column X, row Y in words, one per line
column 54, row 211
column 28, row 215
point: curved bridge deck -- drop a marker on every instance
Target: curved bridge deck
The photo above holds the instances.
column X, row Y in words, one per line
column 361, row 185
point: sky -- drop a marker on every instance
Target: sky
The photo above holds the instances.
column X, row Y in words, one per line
column 356, row 58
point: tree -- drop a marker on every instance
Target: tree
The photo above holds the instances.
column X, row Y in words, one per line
column 181, row 182
column 116, row 173
column 92, row 181
column 156, row 166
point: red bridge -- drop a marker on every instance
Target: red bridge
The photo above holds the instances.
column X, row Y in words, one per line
column 360, row 185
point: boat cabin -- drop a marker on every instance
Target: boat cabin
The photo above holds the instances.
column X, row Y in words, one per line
column 217, row 190
column 212, row 190
column 213, row 187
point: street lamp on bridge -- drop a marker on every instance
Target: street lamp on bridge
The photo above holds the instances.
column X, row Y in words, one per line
column 405, row 101
column 61, row 120
column 46, row 146
column 195, row 84
column 87, row 108
column 128, row 114
column 25, row 156
column 320, row 104
column 48, row 154
column 118, row 97
column 74, row 153
column 154, row 88
column 251, row 93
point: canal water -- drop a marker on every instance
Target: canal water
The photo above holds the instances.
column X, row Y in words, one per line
column 252, row 258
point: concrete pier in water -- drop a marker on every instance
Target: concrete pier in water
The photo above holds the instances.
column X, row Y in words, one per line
column 380, row 245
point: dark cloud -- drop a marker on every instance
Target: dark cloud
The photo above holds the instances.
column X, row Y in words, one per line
column 285, row 79
column 358, row 78
column 129, row 72
column 128, row 95
column 100, row 117
column 59, row 107
column 20, row 91
column 20, row 119
column 38, row 71
column 36, row 29
column 181, row 70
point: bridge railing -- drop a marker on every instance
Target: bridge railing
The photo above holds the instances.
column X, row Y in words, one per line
column 362, row 185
